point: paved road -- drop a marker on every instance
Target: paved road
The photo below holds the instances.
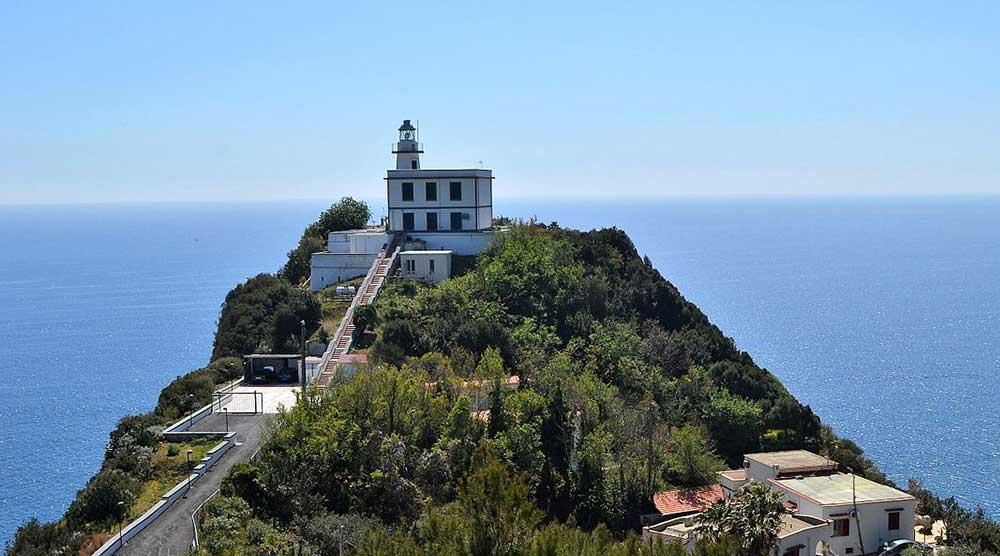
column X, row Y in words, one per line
column 171, row 534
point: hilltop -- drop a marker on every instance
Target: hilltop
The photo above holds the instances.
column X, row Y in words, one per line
column 623, row 388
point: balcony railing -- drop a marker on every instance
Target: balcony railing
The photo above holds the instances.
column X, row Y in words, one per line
column 408, row 148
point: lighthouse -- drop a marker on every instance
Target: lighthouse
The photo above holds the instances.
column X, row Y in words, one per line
column 433, row 214
column 448, row 208
column 408, row 149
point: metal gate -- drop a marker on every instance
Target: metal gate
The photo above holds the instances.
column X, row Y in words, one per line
column 238, row 403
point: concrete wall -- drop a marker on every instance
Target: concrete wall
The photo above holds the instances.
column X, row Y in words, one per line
column 131, row 530
column 874, row 519
column 356, row 242
column 808, row 539
column 330, row 268
column 471, row 243
column 759, row 472
column 476, row 200
column 417, row 265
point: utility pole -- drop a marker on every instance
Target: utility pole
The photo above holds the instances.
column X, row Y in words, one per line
column 854, row 503
column 650, row 429
column 302, row 365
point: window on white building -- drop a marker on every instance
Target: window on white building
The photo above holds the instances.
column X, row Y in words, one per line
column 407, row 220
column 432, row 221
column 456, row 190
column 841, row 527
column 411, row 266
column 431, row 190
column 431, row 262
column 407, row 191
column 894, row 521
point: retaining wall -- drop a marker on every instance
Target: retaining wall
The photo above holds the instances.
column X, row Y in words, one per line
column 130, row 531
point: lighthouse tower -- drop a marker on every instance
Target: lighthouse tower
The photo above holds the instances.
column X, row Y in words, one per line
column 433, row 212
column 408, row 150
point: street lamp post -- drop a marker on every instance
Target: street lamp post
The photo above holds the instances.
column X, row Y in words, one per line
column 121, row 539
column 191, row 410
column 225, row 410
column 189, row 452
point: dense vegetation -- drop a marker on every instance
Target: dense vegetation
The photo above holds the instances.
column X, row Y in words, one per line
column 263, row 315
column 260, row 315
column 135, row 466
column 625, row 388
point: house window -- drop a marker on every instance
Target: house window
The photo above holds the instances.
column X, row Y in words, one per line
column 841, row 527
column 414, row 164
column 432, row 221
column 411, row 266
column 431, row 264
column 894, row 521
column 407, row 191
column 407, row 220
column 432, row 190
column 456, row 221
column 456, row 190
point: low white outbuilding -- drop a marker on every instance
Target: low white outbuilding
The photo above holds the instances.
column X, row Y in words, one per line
column 432, row 266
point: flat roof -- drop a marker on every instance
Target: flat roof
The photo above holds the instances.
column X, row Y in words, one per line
column 273, row 356
column 839, row 489
column 441, row 172
column 734, row 474
column 792, row 524
column 359, row 231
column 426, row 252
column 793, row 460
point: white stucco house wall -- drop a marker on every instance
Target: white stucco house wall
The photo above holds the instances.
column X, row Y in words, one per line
column 862, row 513
column 349, row 254
column 428, row 266
column 827, row 512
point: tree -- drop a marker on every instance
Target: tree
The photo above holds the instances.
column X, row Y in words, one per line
column 751, row 517
column 735, row 425
column 264, row 311
column 346, row 214
column 365, row 316
column 99, row 501
column 38, row 539
column 690, row 459
column 501, row 518
column 331, row 533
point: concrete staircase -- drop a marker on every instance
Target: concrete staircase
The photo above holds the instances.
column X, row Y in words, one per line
column 380, row 270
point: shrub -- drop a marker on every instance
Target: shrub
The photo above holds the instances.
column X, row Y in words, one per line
column 38, row 539
column 264, row 311
column 98, row 502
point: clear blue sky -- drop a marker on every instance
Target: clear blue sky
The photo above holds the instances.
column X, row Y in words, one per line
column 140, row 101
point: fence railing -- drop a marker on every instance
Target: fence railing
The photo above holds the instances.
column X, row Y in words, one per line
column 388, row 253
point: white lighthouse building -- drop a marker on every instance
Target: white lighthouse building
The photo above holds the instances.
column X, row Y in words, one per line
column 435, row 203
column 432, row 214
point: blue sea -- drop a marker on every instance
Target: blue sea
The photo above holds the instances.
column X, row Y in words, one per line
column 882, row 314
